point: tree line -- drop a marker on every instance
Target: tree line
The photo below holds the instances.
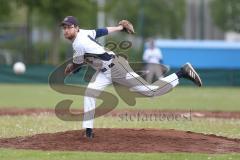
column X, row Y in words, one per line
column 160, row 18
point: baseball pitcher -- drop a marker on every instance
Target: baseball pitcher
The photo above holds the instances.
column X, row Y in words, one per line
column 112, row 68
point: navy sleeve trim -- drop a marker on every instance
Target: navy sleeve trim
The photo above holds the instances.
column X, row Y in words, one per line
column 101, row 32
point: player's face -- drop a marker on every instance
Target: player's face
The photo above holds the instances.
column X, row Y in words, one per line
column 152, row 45
column 70, row 32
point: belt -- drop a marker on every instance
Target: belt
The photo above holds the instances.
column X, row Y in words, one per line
column 105, row 69
column 105, row 56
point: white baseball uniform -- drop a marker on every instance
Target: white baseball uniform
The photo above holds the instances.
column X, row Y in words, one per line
column 87, row 49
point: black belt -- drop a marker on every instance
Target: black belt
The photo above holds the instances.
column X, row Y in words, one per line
column 105, row 69
column 105, row 56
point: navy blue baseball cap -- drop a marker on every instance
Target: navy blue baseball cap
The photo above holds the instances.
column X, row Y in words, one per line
column 69, row 20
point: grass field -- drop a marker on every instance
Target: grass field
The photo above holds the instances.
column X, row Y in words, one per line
column 40, row 155
column 41, row 96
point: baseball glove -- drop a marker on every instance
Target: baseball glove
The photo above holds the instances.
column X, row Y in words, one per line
column 127, row 26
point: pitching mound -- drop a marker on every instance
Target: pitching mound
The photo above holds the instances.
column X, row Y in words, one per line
column 126, row 140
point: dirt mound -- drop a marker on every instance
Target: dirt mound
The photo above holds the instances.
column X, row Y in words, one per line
column 126, row 140
column 133, row 113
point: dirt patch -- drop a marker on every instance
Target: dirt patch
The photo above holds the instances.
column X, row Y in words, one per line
column 135, row 112
column 126, row 140
column 24, row 111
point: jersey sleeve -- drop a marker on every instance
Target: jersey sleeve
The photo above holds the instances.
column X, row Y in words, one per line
column 78, row 55
column 160, row 54
column 101, row 32
column 145, row 55
column 97, row 32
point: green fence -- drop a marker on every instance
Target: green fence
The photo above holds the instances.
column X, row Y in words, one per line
column 40, row 74
column 218, row 77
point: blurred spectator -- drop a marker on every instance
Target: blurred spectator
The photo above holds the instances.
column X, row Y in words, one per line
column 153, row 57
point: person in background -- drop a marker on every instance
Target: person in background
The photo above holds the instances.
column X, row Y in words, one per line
column 153, row 57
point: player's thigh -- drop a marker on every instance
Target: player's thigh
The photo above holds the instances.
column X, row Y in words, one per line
column 98, row 82
column 123, row 74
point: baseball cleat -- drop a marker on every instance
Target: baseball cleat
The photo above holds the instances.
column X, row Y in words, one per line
column 190, row 73
column 89, row 133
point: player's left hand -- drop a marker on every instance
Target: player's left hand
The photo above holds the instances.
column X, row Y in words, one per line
column 127, row 26
column 69, row 69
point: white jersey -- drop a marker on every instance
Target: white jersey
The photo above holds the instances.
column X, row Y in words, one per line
column 85, row 43
column 152, row 55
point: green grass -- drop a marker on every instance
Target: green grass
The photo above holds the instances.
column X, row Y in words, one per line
column 8, row 154
column 30, row 125
column 210, row 98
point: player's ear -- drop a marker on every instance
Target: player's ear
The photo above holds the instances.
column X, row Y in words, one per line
column 77, row 28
